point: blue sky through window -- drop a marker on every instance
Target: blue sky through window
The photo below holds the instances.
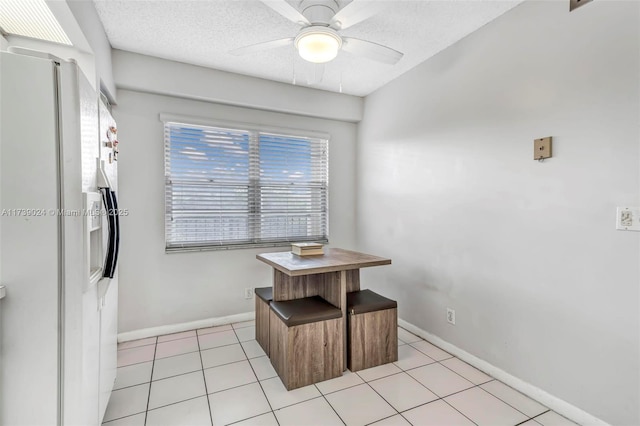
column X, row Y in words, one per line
column 235, row 186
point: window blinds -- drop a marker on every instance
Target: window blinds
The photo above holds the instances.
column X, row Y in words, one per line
column 230, row 187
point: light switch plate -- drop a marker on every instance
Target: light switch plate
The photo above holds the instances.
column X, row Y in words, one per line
column 628, row 218
column 542, row 148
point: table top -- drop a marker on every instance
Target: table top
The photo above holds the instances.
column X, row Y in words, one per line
column 333, row 259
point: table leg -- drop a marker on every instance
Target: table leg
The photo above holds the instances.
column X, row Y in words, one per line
column 343, row 307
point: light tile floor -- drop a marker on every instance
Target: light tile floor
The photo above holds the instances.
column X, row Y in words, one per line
column 220, row 375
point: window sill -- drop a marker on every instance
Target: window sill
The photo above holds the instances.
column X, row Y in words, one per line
column 170, row 250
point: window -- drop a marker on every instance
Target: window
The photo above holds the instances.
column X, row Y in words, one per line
column 237, row 187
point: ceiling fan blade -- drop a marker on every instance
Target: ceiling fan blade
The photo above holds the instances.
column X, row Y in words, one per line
column 259, row 47
column 355, row 12
column 288, row 11
column 374, row 51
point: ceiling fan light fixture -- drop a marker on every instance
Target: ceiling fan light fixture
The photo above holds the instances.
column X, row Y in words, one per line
column 318, row 45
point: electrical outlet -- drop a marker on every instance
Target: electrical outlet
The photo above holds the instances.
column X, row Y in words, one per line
column 451, row 316
column 248, row 293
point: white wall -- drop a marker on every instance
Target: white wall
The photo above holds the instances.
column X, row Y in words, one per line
column 163, row 289
column 89, row 22
column 154, row 75
column 527, row 253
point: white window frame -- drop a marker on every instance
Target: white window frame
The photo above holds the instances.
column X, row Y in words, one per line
column 254, row 177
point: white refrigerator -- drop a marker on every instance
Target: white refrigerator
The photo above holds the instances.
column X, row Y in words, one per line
column 58, row 319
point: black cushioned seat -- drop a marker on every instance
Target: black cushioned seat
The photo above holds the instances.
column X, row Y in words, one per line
column 304, row 311
column 265, row 293
column 359, row 302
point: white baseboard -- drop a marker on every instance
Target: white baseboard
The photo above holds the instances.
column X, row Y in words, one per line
column 556, row 404
column 185, row 326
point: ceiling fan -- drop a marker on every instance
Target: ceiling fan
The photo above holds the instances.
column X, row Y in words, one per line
column 319, row 40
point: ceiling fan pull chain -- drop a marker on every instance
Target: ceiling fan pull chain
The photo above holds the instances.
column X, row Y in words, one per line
column 294, row 69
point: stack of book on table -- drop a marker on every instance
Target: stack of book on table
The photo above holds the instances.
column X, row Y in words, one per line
column 307, row 249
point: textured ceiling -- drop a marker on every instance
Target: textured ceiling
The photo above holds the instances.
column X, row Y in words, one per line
column 202, row 32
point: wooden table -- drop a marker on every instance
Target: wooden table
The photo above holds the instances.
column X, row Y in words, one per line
column 330, row 276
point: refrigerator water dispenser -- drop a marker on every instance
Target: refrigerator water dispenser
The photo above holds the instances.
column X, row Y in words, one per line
column 93, row 254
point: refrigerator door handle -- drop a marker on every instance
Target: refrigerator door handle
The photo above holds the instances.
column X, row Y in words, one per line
column 111, row 258
column 3, row 291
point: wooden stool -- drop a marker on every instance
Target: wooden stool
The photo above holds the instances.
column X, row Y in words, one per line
column 372, row 330
column 306, row 341
column 265, row 296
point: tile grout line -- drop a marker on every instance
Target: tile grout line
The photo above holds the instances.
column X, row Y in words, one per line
column 153, row 363
column 426, row 403
column 325, row 398
column 247, row 326
column 424, row 386
column 186, row 372
column 176, row 403
column 348, row 387
column 439, row 397
column 119, row 418
column 442, row 360
column 159, row 343
column 258, row 380
column 407, row 420
column 388, row 417
column 400, row 412
column 461, row 413
column 476, row 385
column 307, row 400
column 173, row 340
column 177, row 375
column 382, row 377
column 233, row 387
column 479, row 385
column 321, row 394
column 210, row 332
column 131, row 386
column 383, row 398
column 459, row 374
column 221, row 346
column 394, row 408
column 186, row 337
column 134, row 347
column 377, row 378
column 227, row 363
column 253, row 417
column 295, row 403
column 505, row 402
column 204, row 379
column 136, row 363
column 538, row 415
column 426, row 354
column 184, row 353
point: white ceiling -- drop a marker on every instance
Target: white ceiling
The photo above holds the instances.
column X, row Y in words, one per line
column 201, row 32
